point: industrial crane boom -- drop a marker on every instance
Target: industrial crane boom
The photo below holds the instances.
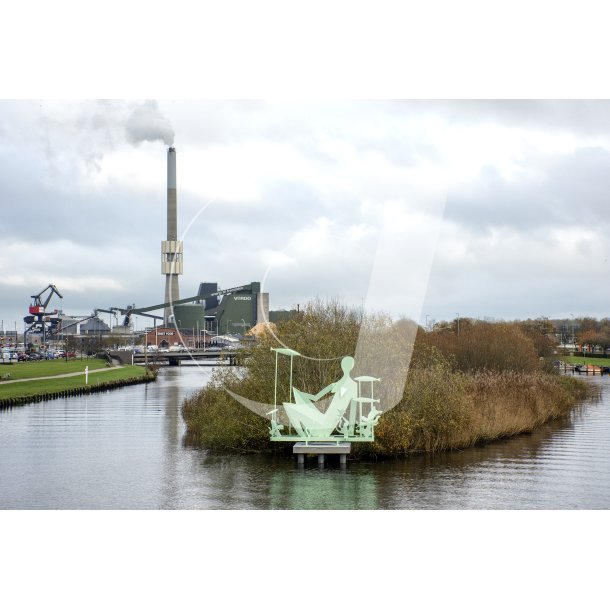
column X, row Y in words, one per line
column 139, row 311
column 37, row 306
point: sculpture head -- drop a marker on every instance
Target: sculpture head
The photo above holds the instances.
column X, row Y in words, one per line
column 347, row 364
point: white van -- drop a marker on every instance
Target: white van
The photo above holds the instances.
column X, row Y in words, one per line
column 9, row 356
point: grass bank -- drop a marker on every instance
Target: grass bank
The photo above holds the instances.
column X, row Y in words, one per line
column 48, row 368
column 586, row 360
column 489, row 383
column 30, row 391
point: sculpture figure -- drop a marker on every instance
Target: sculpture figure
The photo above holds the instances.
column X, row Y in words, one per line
column 304, row 415
column 343, row 419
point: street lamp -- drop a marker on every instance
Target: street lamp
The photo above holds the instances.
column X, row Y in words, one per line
column 227, row 328
column 458, row 324
column 244, row 323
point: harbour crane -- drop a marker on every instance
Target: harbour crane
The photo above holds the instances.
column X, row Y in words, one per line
column 39, row 317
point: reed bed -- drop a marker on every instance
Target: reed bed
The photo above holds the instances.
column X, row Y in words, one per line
column 488, row 384
column 459, row 410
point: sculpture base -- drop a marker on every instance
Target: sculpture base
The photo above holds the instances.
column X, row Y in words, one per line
column 333, row 440
column 321, row 449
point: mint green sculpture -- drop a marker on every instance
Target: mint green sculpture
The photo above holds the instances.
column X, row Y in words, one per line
column 350, row 416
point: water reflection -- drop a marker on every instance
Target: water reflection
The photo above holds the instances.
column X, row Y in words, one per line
column 564, row 464
column 314, row 489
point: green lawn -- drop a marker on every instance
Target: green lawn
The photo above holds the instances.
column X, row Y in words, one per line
column 32, row 388
column 587, row 360
column 46, row 368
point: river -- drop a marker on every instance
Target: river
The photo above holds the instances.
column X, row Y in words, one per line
column 124, row 450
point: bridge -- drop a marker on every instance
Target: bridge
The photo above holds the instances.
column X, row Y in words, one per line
column 207, row 357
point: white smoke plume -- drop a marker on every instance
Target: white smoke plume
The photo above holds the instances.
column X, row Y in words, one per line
column 146, row 123
column 81, row 133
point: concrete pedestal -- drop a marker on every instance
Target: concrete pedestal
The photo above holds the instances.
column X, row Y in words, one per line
column 321, row 450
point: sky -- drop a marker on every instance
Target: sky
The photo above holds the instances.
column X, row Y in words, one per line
column 484, row 209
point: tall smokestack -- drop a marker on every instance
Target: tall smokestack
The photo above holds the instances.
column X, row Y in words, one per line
column 172, row 203
column 171, row 249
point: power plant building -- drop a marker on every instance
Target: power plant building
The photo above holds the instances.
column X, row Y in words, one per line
column 236, row 312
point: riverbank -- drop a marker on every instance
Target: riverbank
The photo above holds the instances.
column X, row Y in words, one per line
column 49, row 368
column 585, row 360
column 100, row 380
column 487, row 385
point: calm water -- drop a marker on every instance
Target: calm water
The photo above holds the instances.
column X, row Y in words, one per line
column 123, row 449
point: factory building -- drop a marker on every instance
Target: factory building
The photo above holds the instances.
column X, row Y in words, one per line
column 236, row 312
column 191, row 315
column 168, row 336
column 94, row 326
column 68, row 325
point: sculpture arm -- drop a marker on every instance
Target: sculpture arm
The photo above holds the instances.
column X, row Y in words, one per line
column 323, row 392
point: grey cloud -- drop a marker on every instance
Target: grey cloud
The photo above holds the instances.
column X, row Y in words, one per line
column 106, row 217
column 573, row 190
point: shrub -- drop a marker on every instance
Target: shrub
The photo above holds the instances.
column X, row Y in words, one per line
column 488, row 346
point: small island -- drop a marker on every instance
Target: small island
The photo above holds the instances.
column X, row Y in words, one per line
column 469, row 382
